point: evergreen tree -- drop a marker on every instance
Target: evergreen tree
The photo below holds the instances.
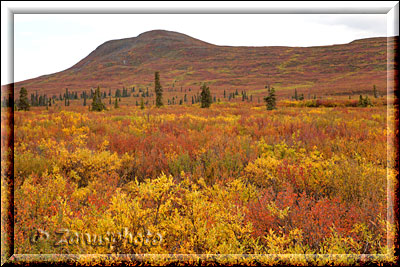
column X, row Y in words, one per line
column 205, row 97
column 295, row 95
column 116, row 103
column 364, row 102
column 118, row 93
column 33, row 100
column 141, row 103
column 84, row 100
column 270, row 99
column 375, row 92
column 158, row 89
column 97, row 105
column 4, row 102
column 360, row 101
column 23, row 103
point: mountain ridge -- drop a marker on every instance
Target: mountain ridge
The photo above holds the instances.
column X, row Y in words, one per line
column 186, row 61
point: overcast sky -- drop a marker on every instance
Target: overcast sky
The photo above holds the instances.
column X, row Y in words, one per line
column 48, row 43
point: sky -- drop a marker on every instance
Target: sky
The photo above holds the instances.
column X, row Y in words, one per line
column 48, row 43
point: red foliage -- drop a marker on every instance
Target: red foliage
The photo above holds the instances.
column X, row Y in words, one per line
column 314, row 217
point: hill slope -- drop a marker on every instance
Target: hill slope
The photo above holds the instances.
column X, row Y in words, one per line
column 187, row 62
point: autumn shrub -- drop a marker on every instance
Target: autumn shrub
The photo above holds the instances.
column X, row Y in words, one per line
column 229, row 179
column 28, row 163
column 287, row 211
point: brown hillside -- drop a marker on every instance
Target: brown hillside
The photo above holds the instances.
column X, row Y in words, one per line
column 187, row 62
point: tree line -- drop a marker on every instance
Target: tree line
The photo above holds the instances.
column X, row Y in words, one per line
column 205, row 97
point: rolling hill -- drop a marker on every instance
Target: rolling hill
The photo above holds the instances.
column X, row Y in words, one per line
column 186, row 62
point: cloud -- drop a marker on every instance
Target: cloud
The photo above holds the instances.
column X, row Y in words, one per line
column 372, row 24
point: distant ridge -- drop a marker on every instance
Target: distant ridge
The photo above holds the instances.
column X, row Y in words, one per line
column 187, row 62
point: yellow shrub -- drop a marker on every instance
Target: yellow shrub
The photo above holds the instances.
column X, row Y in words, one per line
column 262, row 171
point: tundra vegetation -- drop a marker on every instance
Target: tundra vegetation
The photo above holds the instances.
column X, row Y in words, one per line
column 292, row 177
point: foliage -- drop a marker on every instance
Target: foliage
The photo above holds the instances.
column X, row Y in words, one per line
column 234, row 179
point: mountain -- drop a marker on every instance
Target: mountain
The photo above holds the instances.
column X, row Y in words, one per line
column 186, row 62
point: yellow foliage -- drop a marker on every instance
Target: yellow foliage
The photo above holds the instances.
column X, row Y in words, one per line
column 262, row 171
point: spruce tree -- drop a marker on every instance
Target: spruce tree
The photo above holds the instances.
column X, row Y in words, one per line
column 158, row 89
column 141, row 103
column 23, row 103
column 97, row 105
column 205, row 97
column 375, row 92
column 361, row 101
column 364, row 102
column 270, row 99
column 116, row 103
